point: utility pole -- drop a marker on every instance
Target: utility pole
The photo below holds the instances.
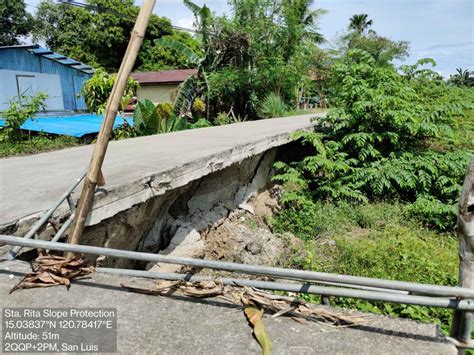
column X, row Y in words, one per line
column 462, row 321
column 94, row 175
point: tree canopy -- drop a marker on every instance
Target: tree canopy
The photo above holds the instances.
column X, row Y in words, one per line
column 98, row 34
column 260, row 49
column 15, row 22
column 382, row 49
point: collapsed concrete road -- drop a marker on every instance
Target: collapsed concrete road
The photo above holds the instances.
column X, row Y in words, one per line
column 158, row 188
column 30, row 184
column 176, row 324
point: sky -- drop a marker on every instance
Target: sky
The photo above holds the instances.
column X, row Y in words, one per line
column 439, row 29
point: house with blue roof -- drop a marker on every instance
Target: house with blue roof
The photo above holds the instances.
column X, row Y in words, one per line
column 29, row 69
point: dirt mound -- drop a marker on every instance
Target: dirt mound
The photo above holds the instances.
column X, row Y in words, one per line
column 244, row 238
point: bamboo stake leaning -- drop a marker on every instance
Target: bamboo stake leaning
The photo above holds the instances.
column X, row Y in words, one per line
column 94, row 174
column 462, row 321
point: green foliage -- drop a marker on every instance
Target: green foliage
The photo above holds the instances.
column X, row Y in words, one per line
column 20, row 109
column 199, row 107
column 382, row 49
column 194, row 85
column 188, row 53
column 15, row 142
column 201, row 123
column 100, row 38
column 96, row 91
column 416, row 71
column 164, row 110
column 36, row 144
column 124, row 131
column 15, row 22
column 360, row 23
column 187, row 92
column 263, row 47
column 154, row 57
column 374, row 240
column 150, row 119
column 376, row 143
column 272, row 106
column 463, row 77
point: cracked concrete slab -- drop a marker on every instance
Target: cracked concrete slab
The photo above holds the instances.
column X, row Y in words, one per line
column 136, row 169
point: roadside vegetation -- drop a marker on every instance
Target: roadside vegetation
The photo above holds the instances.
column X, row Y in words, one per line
column 378, row 239
column 377, row 193
column 14, row 141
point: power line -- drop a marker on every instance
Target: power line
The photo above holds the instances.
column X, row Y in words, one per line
column 113, row 12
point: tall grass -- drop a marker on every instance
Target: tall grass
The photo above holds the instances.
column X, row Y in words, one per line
column 272, row 106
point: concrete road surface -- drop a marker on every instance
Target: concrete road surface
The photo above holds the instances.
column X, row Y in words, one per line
column 29, row 184
column 180, row 325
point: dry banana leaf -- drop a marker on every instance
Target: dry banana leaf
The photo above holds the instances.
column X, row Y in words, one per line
column 52, row 270
column 293, row 307
column 255, row 315
column 203, row 289
column 163, row 289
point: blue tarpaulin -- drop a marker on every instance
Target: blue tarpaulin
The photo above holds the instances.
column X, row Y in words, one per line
column 69, row 125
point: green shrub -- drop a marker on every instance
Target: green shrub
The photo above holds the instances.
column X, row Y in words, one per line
column 381, row 142
column 272, row 106
column 20, row 109
column 222, row 119
column 198, row 107
column 164, row 110
column 150, row 119
column 201, row 123
column 36, row 144
column 313, row 220
column 96, row 91
column 373, row 240
column 398, row 253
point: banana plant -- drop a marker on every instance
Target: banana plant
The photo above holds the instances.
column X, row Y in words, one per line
column 147, row 120
column 191, row 87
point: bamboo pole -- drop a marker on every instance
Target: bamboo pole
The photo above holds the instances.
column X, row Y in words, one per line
column 462, row 321
column 94, row 174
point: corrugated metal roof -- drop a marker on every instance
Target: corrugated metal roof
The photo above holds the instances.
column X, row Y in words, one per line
column 49, row 54
column 163, row 76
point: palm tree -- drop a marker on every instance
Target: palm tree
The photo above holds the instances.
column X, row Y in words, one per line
column 300, row 24
column 360, row 23
column 192, row 87
column 462, row 78
column 302, row 15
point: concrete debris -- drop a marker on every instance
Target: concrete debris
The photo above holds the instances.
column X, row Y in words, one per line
column 248, row 241
column 185, row 243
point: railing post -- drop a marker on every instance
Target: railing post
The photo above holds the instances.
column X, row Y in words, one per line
column 462, row 321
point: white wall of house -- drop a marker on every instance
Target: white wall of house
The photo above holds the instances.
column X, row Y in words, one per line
column 158, row 92
column 13, row 83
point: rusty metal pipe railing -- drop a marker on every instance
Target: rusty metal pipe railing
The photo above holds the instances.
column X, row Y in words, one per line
column 311, row 276
column 304, row 288
column 44, row 218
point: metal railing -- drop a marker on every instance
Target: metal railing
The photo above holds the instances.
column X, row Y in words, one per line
column 45, row 217
column 433, row 295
